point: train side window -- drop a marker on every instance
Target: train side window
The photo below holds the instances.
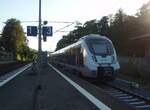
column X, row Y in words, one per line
column 79, row 55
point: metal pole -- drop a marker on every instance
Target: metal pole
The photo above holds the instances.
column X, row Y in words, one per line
column 39, row 39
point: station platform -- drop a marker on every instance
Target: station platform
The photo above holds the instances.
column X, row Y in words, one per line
column 59, row 92
column 51, row 89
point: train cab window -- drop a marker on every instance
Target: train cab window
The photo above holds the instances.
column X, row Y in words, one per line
column 100, row 47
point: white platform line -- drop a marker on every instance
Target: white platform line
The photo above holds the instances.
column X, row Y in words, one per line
column 17, row 72
column 89, row 96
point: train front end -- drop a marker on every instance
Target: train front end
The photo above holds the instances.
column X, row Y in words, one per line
column 102, row 57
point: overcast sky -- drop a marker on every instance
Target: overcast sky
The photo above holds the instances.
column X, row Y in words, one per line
column 62, row 10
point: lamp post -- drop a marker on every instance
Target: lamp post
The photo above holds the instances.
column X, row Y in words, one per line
column 39, row 37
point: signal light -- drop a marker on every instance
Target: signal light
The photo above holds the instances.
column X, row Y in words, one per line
column 44, row 38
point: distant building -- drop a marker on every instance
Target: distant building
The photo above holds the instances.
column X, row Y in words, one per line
column 143, row 44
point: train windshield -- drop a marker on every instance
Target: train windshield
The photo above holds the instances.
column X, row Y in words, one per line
column 100, row 47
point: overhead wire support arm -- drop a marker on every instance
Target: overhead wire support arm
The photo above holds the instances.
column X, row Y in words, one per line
column 67, row 22
column 63, row 27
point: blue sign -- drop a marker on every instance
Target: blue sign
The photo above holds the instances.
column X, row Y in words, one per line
column 47, row 31
column 32, row 30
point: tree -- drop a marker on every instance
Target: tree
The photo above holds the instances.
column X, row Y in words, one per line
column 13, row 36
column 117, row 30
column 91, row 27
column 61, row 43
column 144, row 18
column 144, row 11
column 1, row 46
column 103, row 26
column 120, row 28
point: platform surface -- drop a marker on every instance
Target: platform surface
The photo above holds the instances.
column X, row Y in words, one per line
column 50, row 91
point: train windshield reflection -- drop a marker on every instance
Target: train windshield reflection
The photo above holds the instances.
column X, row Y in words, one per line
column 100, row 47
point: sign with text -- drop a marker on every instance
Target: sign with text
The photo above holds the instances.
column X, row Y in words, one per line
column 32, row 31
column 47, row 31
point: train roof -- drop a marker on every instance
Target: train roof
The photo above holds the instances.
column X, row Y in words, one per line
column 86, row 37
column 93, row 36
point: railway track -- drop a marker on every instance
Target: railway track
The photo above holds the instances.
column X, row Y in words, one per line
column 138, row 101
column 6, row 67
column 135, row 100
column 11, row 75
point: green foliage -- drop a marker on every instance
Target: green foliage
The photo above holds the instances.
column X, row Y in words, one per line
column 91, row 27
column 103, row 27
column 80, row 31
column 120, row 28
column 14, row 41
column 13, row 36
column 25, row 53
column 1, row 46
